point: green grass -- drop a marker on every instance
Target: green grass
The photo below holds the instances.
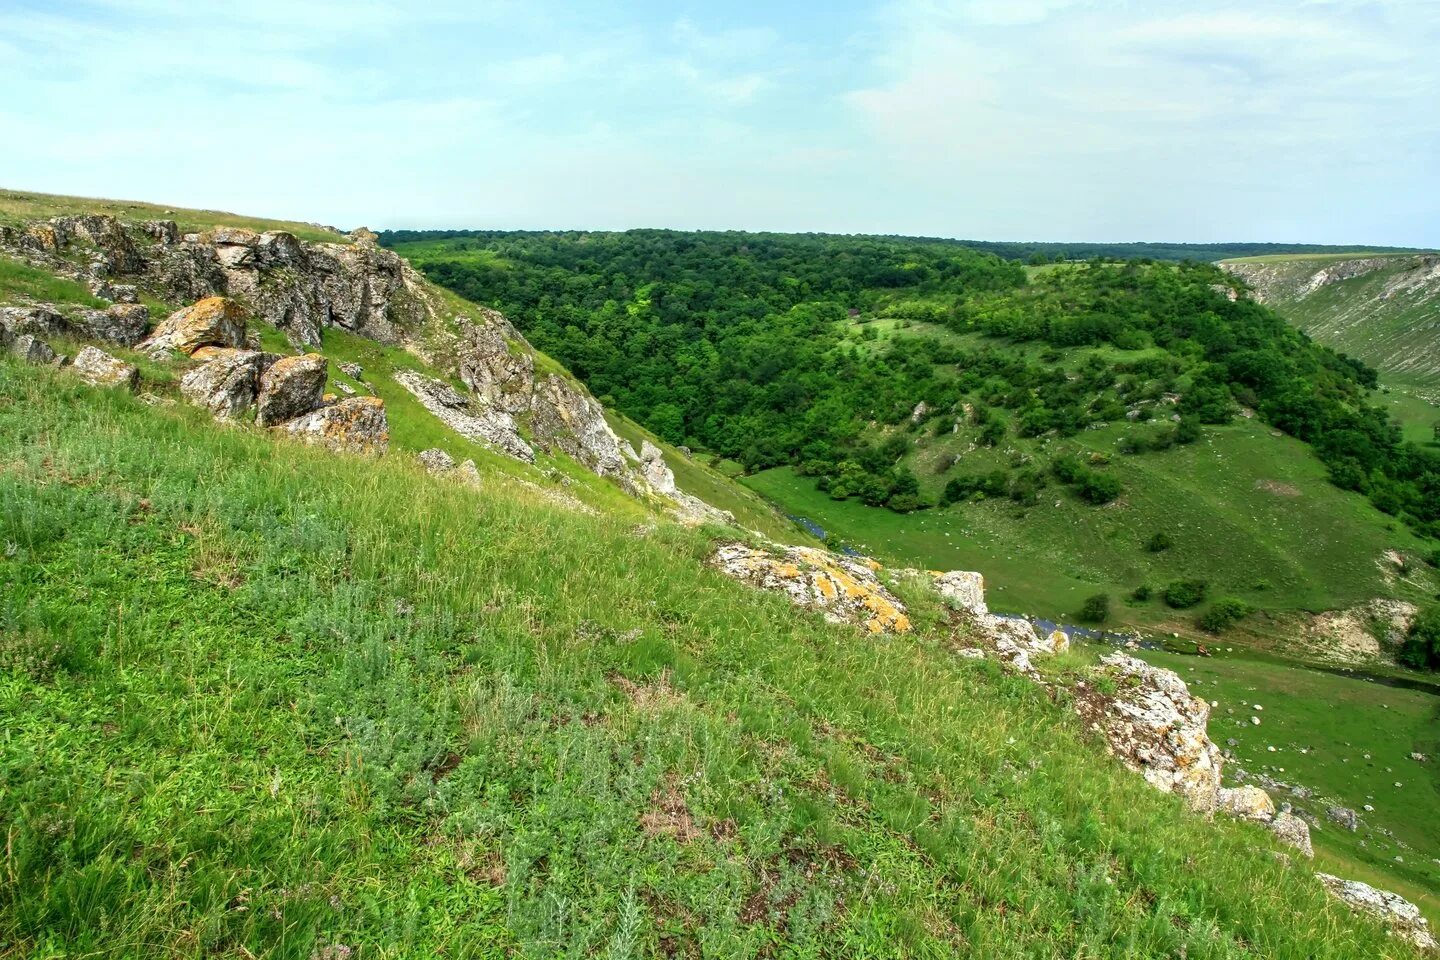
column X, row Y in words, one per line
column 18, row 208
column 21, row 282
column 259, row 699
column 1251, row 513
column 1322, row 727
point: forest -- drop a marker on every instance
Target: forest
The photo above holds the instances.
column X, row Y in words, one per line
column 755, row 347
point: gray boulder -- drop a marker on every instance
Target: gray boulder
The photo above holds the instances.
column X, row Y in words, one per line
column 121, row 323
column 100, row 369
column 1292, row 830
column 32, row 349
column 1400, row 915
column 436, row 460
column 226, row 384
column 354, row 425
column 36, row 321
column 291, row 387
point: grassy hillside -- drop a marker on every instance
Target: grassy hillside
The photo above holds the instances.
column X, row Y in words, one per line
column 262, row 700
column 17, row 208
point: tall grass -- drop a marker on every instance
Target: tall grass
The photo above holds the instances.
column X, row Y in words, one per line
column 259, row 700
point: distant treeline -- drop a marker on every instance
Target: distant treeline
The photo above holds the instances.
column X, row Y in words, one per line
column 1028, row 251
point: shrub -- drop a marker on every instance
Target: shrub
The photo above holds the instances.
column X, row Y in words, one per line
column 1184, row 594
column 1421, row 649
column 1434, row 558
column 1096, row 609
column 1159, row 542
column 1223, row 614
column 1098, row 488
column 1142, row 593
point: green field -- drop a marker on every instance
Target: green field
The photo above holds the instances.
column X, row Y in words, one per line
column 260, row 700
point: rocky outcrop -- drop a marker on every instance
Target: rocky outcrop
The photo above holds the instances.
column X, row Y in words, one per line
column 353, row 425
column 120, row 323
column 1155, row 725
column 1246, row 803
column 467, row 415
column 566, row 418
column 963, row 590
column 98, row 368
column 34, row 321
column 1400, row 915
column 211, row 322
column 658, row 476
column 31, row 349
column 227, row 382
column 290, row 387
column 843, row 589
column 1363, row 633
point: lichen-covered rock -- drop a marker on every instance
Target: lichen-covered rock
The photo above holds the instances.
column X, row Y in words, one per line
column 1402, row 917
column 291, row 387
column 211, row 322
column 354, row 425
column 227, row 382
column 467, row 416
column 1156, row 726
column 1344, row 816
column 1293, row 831
column 98, row 368
column 844, row 589
column 1246, row 803
column 436, row 460
column 35, row 321
column 31, row 349
column 121, row 323
column 354, row 371
column 964, row 590
column 565, row 417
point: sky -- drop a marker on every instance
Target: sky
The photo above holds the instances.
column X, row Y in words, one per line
column 1074, row 120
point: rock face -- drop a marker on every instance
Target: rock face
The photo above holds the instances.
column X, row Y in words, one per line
column 292, row 386
column 120, row 323
column 843, row 589
column 467, row 416
column 227, row 382
column 566, row 418
column 1400, row 915
column 1156, row 726
column 354, row 425
column 212, row 322
column 98, row 368
column 963, row 589
column 1362, row 633
column 689, row 510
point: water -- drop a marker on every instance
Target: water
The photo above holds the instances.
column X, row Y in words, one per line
column 1046, row 627
column 817, row 531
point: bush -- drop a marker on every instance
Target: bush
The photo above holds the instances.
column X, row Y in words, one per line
column 1223, row 614
column 1142, row 593
column 1184, row 594
column 1422, row 644
column 1098, row 488
column 1434, row 558
column 1096, row 609
column 1159, row 542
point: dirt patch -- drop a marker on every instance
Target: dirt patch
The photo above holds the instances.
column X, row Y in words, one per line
column 668, row 815
column 651, row 697
column 1278, row 488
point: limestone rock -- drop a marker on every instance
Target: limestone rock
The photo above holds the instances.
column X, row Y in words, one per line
column 689, row 510
column 436, row 460
column 354, row 425
column 214, row 321
column 467, row 416
column 1400, row 915
column 1156, row 726
column 843, row 589
column 354, row 371
column 963, row 589
column 122, row 323
column 36, row 321
column 1292, row 830
column 469, row 472
column 227, row 382
column 1344, row 816
column 31, row 349
column 655, row 470
column 565, row 417
column 293, row 386
column 98, row 368
column 1246, row 803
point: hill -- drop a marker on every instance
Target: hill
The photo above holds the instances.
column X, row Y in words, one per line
column 281, row 679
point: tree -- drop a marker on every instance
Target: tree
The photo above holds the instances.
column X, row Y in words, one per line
column 1096, row 609
column 1159, row 543
column 1421, row 649
column 1183, row 594
column 1223, row 614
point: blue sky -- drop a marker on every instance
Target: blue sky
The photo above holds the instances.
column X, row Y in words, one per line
column 1310, row 120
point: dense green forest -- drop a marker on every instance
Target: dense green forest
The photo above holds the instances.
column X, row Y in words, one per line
column 753, row 347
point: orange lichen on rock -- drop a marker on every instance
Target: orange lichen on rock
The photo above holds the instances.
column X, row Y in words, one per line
column 844, row 589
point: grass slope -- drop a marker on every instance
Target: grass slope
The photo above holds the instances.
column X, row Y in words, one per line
column 17, row 208
column 259, row 700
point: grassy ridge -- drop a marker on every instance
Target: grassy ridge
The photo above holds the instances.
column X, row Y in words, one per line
column 260, row 700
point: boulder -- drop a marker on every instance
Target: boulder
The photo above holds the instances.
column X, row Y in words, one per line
column 436, row 460
column 1344, row 816
column 291, row 387
column 843, row 589
column 98, row 368
column 1291, row 830
column 1246, row 803
column 469, row 472
column 214, row 321
column 36, row 321
column 227, row 382
column 655, row 470
column 1400, row 915
column 1156, row 726
column 121, row 323
column 31, row 349
column 964, row 590
column 354, row 371
column 354, row 425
